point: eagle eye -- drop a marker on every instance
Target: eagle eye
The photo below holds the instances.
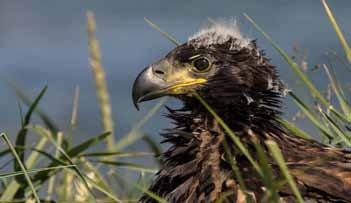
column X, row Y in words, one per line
column 201, row 64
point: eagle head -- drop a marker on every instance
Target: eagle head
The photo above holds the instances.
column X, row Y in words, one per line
column 219, row 64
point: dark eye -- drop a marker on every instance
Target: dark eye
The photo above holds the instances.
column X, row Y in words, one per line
column 201, row 64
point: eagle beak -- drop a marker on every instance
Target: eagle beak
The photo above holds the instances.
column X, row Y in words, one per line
column 162, row 79
column 148, row 85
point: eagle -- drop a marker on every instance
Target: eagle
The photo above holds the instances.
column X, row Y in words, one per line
column 240, row 84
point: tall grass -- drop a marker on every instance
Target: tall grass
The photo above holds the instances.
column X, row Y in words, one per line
column 80, row 169
column 68, row 168
column 100, row 80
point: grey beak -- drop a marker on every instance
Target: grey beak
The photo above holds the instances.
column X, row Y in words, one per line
column 148, row 85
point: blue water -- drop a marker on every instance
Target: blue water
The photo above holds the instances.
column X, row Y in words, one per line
column 45, row 42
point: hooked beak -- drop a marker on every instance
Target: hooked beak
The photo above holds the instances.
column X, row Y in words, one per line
column 147, row 86
column 162, row 79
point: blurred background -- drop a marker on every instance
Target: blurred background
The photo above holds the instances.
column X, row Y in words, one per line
column 45, row 42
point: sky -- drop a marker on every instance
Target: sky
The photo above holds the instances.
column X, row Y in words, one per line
column 45, row 43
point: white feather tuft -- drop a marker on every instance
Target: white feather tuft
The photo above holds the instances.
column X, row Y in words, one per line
column 219, row 32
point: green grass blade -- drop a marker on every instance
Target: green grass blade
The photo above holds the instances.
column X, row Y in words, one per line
column 294, row 129
column 13, row 187
column 268, row 176
column 312, row 116
column 19, row 173
column 46, row 133
column 43, row 116
column 115, row 154
column 98, row 177
column 52, row 178
column 33, row 106
column 141, row 187
column 153, row 145
column 290, row 61
column 74, row 116
column 74, row 152
column 150, row 194
column 22, row 134
column 56, row 161
column 338, row 31
column 296, row 68
column 345, row 106
column 23, row 168
column 343, row 62
column 337, row 129
column 233, row 164
column 231, row 134
column 20, row 111
column 211, row 20
column 277, row 155
column 101, row 189
column 165, row 34
column 87, row 144
column 135, row 134
column 131, row 166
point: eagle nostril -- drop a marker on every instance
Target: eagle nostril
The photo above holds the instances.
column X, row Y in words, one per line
column 159, row 72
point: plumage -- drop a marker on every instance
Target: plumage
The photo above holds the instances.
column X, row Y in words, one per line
column 243, row 87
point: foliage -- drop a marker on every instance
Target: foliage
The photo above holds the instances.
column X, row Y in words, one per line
column 82, row 168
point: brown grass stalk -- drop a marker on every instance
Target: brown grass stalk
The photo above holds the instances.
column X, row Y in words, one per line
column 100, row 80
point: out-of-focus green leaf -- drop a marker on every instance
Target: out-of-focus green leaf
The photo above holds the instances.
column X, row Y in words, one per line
column 298, row 70
column 14, row 186
column 338, row 31
column 135, row 133
column 337, row 129
column 42, row 176
column 22, row 167
column 18, row 173
column 268, row 177
column 22, row 134
column 131, row 166
column 312, row 116
column 116, row 154
column 165, row 34
column 344, row 104
column 153, row 145
column 294, row 129
column 278, row 156
column 101, row 189
column 231, row 134
column 150, row 194
column 43, row 116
